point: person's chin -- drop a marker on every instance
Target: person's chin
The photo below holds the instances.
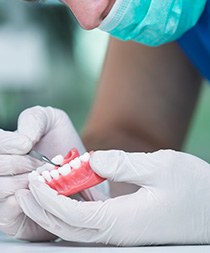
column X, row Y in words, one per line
column 91, row 16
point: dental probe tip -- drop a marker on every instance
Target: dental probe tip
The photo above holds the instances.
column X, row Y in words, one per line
column 41, row 157
column 45, row 159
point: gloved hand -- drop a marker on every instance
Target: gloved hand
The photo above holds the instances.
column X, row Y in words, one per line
column 49, row 131
column 171, row 207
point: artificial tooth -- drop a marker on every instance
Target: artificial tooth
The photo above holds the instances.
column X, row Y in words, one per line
column 39, row 169
column 41, row 179
column 44, row 167
column 76, row 163
column 58, row 159
column 34, row 173
column 64, row 170
column 85, row 157
column 46, row 175
column 54, row 174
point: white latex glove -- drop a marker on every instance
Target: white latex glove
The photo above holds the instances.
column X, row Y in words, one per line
column 171, row 207
column 51, row 132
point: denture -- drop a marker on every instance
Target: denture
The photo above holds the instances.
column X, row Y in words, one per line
column 73, row 176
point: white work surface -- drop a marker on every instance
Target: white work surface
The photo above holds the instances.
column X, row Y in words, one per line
column 13, row 246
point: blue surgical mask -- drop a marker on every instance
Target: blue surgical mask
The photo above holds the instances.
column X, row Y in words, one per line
column 152, row 22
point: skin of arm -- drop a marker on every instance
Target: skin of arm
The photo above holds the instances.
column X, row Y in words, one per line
column 144, row 102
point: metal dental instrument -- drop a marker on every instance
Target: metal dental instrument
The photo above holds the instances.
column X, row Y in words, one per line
column 41, row 157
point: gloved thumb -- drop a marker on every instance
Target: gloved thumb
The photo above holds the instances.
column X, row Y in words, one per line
column 142, row 169
column 33, row 123
column 13, row 143
column 118, row 166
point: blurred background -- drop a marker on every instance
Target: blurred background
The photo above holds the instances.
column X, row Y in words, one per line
column 47, row 59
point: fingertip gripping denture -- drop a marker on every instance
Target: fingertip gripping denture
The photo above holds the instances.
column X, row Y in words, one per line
column 73, row 176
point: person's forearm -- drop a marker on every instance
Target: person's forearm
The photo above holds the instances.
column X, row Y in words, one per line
column 145, row 99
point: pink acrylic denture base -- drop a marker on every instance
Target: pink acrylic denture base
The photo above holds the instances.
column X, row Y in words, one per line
column 78, row 179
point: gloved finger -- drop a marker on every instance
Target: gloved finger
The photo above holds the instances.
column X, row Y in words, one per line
column 51, row 223
column 46, row 126
column 9, row 185
column 17, row 164
column 73, row 212
column 98, row 216
column 28, row 230
column 14, row 143
column 33, row 123
column 13, row 222
column 9, row 213
column 136, row 168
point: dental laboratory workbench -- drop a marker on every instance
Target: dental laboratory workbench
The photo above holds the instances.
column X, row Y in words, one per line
column 10, row 245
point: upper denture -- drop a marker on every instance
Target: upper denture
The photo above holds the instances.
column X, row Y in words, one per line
column 73, row 176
